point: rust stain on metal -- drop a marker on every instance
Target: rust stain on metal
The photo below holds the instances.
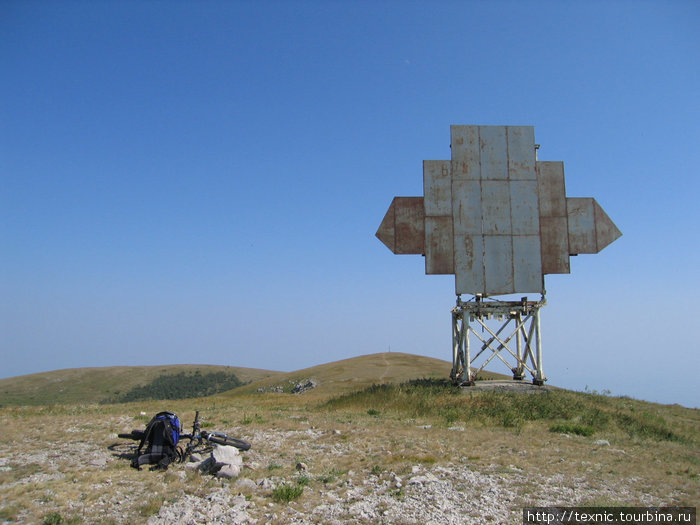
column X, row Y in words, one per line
column 555, row 245
column 439, row 250
column 554, row 227
column 386, row 232
column 403, row 230
column 581, row 218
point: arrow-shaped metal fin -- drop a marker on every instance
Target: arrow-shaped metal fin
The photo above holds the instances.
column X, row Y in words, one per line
column 403, row 228
column 590, row 228
column 605, row 230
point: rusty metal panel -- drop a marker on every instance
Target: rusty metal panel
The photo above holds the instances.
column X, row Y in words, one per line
column 409, row 225
column 439, row 252
column 527, row 264
column 605, row 229
column 469, row 264
column 437, row 188
column 552, row 190
column 521, row 152
column 554, row 236
column 554, row 222
column 581, row 217
column 466, row 206
column 466, row 164
column 498, row 264
column 495, row 207
column 494, row 152
column 503, row 214
column 386, row 232
column 524, row 208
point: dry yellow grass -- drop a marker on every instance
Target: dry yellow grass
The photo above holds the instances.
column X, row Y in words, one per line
column 358, row 372
column 57, row 459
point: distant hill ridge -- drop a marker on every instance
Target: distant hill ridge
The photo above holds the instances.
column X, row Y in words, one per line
column 94, row 385
column 99, row 384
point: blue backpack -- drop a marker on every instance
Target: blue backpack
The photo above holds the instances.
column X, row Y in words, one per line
column 159, row 442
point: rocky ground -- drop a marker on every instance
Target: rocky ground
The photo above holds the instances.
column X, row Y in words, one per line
column 375, row 472
column 439, row 495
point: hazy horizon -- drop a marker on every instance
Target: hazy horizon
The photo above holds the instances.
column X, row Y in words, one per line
column 202, row 182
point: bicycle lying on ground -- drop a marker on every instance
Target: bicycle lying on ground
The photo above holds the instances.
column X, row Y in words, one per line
column 199, row 441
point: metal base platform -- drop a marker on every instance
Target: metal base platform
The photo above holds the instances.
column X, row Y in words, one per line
column 506, row 385
column 519, row 324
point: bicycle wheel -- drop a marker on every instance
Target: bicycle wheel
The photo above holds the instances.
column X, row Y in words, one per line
column 223, row 439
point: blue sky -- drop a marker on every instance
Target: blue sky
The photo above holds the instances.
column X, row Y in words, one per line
column 201, row 182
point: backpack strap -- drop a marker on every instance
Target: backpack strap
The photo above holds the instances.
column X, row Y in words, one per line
column 145, row 459
column 161, row 447
column 136, row 462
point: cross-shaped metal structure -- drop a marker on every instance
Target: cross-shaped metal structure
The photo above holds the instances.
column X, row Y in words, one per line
column 499, row 220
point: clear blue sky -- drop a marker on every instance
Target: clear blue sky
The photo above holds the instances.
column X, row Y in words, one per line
column 200, row 182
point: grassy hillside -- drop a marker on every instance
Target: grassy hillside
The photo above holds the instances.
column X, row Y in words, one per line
column 380, row 433
column 359, row 372
column 562, row 410
column 94, row 385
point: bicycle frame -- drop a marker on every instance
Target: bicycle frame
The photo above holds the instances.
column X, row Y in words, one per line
column 197, row 438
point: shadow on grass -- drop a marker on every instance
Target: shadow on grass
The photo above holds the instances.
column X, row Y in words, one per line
column 123, row 450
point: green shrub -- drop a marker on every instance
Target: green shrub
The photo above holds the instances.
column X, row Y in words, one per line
column 450, row 414
column 570, row 428
column 646, row 426
column 330, row 476
column 53, row 519
column 286, row 492
column 181, row 386
column 303, row 481
column 56, row 519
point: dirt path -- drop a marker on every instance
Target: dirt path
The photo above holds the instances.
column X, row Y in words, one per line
column 386, row 367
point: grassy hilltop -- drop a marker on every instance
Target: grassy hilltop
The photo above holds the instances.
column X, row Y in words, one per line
column 105, row 384
column 81, row 385
column 379, row 435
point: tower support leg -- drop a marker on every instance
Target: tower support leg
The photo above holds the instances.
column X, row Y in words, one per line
column 539, row 375
column 519, row 370
column 497, row 344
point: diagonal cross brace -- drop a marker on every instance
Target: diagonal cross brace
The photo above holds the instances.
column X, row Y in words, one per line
column 526, row 357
